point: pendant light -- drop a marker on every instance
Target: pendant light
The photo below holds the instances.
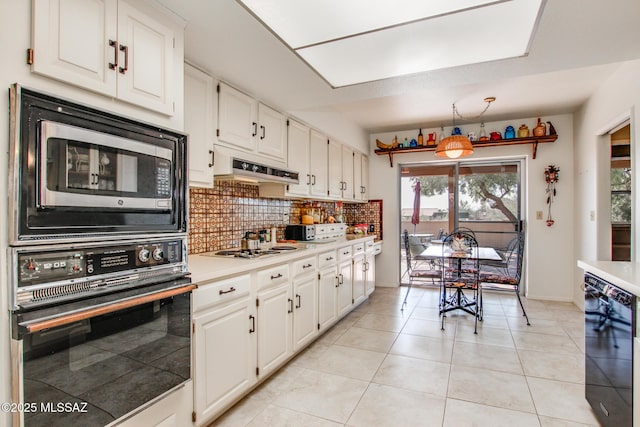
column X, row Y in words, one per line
column 456, row 146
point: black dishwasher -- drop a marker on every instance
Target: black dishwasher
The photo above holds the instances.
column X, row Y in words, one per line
column 609, row 332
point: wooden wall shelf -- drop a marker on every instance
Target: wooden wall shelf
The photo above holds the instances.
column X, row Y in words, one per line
column 534, row 140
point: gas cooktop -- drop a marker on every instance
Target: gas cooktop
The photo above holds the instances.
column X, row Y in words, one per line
column 251, row 254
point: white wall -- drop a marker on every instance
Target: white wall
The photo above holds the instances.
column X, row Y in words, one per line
column 615, row 99
column 15, row 31
column 549, row 265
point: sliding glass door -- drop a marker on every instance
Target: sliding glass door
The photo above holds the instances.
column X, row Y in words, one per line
column 484, row 197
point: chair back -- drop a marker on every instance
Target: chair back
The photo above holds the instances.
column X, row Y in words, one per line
column 461, row 269
column 407, row 249
column 517, row 255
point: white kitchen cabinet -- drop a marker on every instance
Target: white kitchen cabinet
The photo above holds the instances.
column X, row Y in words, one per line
column 359, row 279
column 109, row 47
column 348, row 190
column 372, row 249
column 345, row 287
column 360, row 176
column 334, row 173
column 200, row 111
column 327, row 297
column 225, row 355
column 298, row 157
column 250, row 126
column 305, row 313
column 318, row 164
column 275, row 306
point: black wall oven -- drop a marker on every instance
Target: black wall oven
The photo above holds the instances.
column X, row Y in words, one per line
column 79, row 173
column 99, row 330
column 609, row 334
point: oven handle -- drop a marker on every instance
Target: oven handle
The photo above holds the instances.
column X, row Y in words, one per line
column 36, row 326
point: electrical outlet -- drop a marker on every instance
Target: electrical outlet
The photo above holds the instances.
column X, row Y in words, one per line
column 372, row 228
column 538, row 214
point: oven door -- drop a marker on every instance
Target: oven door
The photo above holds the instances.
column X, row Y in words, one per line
column 80, row 167
column 93, row 365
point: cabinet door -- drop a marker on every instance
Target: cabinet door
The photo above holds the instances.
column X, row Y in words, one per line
column 364, row 174
column 345, row 287
column 347, row 173
column 275, row 310
column 318, row 162
column 328, row 294
column 359, row 277
column 237, row 121
column 335, row 170
column 298, row 157
column 370, row 267
column 225, row 356
column 305, row 313
column 272, row 133
column 199, row 117
column 145, row 71
column 357, row 175
column 71, row 42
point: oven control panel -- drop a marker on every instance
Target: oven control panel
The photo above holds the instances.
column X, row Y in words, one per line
column 47, row 266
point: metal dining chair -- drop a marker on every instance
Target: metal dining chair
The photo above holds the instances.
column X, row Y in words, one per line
column 510, row 281
column 460, row 287
column 419, row 275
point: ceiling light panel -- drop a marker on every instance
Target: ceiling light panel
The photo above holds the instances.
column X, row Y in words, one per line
column 479, row 35
column 302, row 23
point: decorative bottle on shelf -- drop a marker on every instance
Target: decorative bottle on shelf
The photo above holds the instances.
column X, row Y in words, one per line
column 405, row 144
column 483, row 133
column 420, row 139
column 442, row 135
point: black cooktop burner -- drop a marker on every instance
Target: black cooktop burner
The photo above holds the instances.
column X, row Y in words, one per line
column 250, row 254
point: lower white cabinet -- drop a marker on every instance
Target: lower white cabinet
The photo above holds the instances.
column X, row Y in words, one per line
column 225, row 355
column 327, row 297
column 275, row 306
column 305, row 310
column 370, row 273
column 345, row 287
column 359, row 279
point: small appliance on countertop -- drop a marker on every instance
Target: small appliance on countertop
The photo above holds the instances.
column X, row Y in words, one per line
column 301, row 232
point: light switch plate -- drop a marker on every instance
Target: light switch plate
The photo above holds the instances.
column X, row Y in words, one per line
column 538, row 214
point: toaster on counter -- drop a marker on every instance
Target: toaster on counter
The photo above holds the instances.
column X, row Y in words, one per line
column 300, row 232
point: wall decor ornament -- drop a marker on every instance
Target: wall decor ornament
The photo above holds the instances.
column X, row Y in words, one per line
column 551, row 176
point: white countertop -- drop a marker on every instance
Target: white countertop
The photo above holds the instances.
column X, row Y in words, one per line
column 623, row 274
column 205, row 268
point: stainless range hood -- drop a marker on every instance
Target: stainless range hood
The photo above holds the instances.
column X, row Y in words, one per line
column 251, row 171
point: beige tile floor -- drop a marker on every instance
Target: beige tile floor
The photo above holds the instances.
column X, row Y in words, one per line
column 381, row 366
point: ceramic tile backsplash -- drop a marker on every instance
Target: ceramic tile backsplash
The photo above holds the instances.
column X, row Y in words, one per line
column 218, row 217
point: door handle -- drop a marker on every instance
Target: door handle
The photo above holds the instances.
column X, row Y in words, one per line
column 124, row 49
column 308, row 179
column 290, row 305
column 213, row 158
column 114, row 44
column 299, row 301
column 314, row 180
column 253, row 324
column 264, row 132
column 255, row 128
column 337, row 281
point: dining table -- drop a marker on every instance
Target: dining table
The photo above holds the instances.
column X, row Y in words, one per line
column 481, row 253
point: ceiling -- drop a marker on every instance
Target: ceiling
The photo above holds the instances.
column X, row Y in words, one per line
column 574, row 49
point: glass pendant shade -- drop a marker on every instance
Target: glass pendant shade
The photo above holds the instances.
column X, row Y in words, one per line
column 454, row 146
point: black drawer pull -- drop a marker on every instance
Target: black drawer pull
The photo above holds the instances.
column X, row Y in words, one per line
column 231, row 289
column 277, row 276
column 328, row 259
column 307, row 266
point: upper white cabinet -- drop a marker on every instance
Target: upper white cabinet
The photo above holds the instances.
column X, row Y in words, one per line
column 298, row 156
column 247, row 125
column 199, row 122
column 347, row 173
column 360, row 177
column 318, row 162
column 335, row 170
column 109, row 47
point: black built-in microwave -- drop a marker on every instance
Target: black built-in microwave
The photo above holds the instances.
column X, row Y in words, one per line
column 78, row 173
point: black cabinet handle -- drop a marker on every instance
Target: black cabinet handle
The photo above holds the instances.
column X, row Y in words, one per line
column 231, row 289
column 314, row 180
column 277, row 276
column 213, row 158
column 125, row 49
column 264, row 132
column 337, row 281
column 299, row 301
column 307, row 266
column 253, row 324
column 308, row 179
column 113, row 65
column 290, row 305
column 329, row 258
column 255, row 129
